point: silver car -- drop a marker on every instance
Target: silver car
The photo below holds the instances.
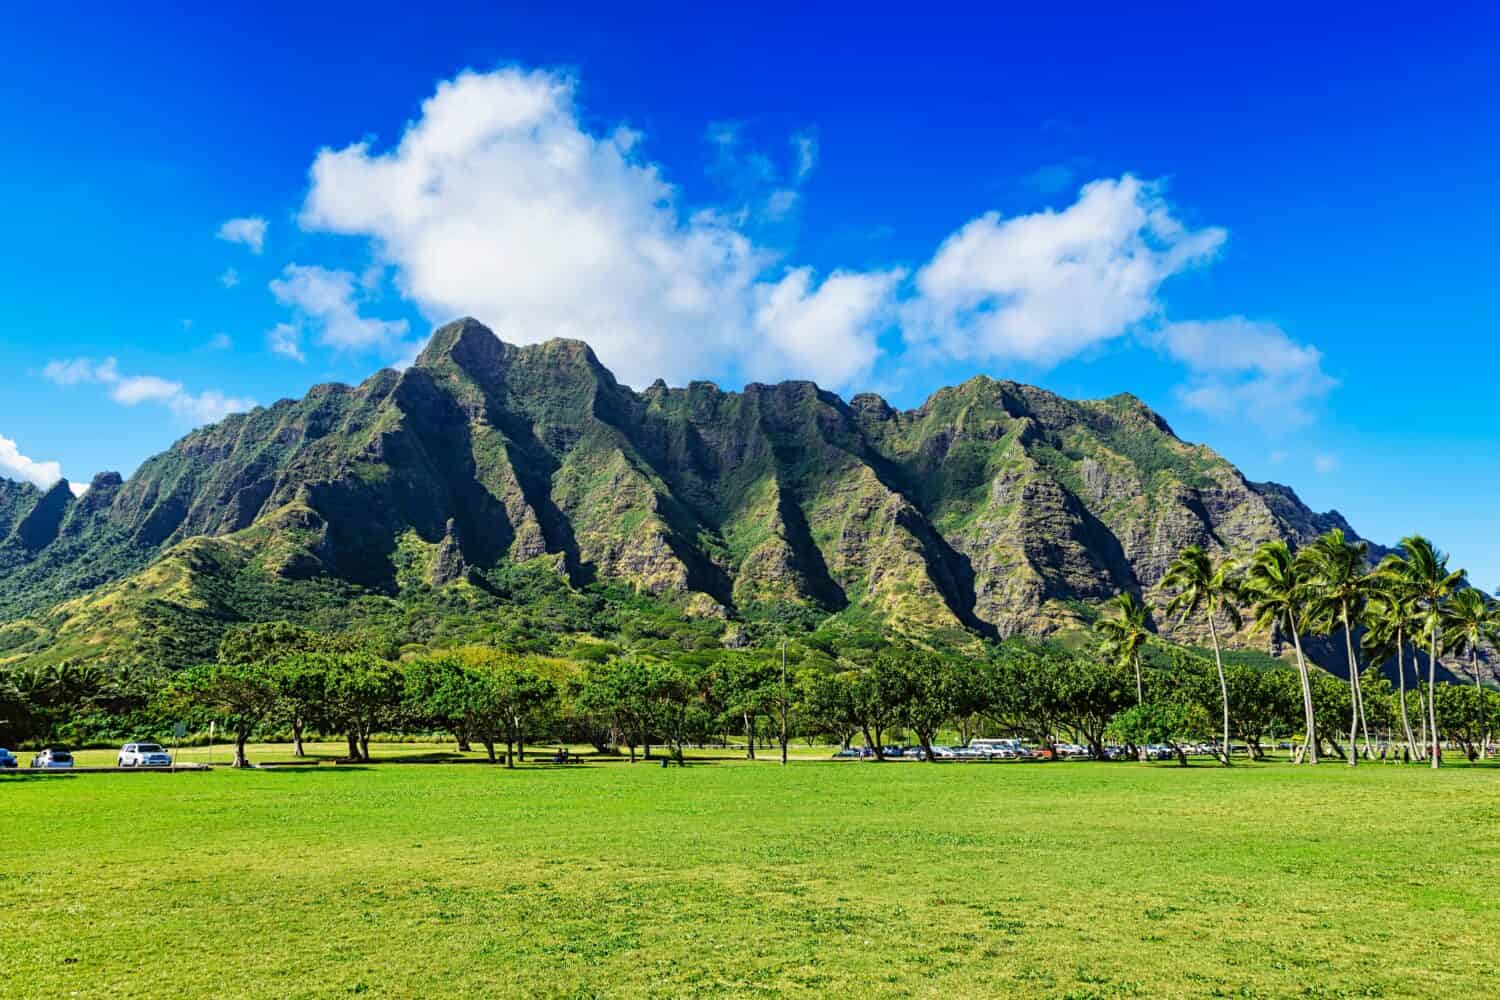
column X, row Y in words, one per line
column 52, row 757
column 144, row 755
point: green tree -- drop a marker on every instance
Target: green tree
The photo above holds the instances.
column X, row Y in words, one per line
column 1170, row 722
column 241, row 695
column 1424, row 570
column 364, row 695
column 1276, row 590
column 1123, row 635
column 1389, row 627
column 622, row 690
column 1337, row 572
column 1202, row 586
column 923, row 689
column 1470, row 620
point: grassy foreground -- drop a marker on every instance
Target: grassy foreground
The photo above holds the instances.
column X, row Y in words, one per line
column 1065, row 880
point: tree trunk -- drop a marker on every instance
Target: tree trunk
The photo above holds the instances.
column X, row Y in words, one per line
column 1213, row 632
column 1484, row 726
column 926, row 739
column 632, row 753
column 1135, row 658
column 1437, row 756
column 297, row 737
column 364, row 746
column 1401, row 680
column 461, row 736
column 1310, row 740
column 510, row 760
column 353, row 745
column 240, row 737
column 489, row 750
column 520, row 740
column 749, row 738
column 1354, row 705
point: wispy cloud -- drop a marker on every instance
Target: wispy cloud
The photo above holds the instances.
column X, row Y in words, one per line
column 249, row 231
column 328, row 302
column 805, row 147
column 229, row 278
column 285, row 340
column 220, row 342
column 132, row 390
column 1248, row 369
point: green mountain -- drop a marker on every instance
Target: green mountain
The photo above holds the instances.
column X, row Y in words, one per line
column 995, row 507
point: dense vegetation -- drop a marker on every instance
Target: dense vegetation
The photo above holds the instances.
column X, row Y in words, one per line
column 665, row 681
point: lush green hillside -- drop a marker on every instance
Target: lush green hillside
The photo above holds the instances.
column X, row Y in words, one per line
column 994, row 508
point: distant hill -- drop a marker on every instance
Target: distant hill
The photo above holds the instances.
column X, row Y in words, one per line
column 995, row 507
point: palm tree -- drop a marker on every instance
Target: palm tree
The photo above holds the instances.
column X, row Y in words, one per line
column 1425, row 570
column 1338, row 583
column 1202, row 586
column 1469, row 619
column 1124, row 636
column 1275, row 588
column 1389, row 618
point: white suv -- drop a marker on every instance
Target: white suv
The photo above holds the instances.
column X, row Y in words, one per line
column 144, row 755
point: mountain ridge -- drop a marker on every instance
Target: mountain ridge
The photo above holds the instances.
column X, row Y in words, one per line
column 994, row 507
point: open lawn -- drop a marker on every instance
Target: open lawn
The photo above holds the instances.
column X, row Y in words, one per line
column 821, row 879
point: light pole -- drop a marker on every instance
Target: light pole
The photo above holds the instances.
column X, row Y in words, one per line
column 783, row 701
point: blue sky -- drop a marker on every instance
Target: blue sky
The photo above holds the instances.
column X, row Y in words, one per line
column 1276, row 227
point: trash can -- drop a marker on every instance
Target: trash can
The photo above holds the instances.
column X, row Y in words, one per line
column 664, row 762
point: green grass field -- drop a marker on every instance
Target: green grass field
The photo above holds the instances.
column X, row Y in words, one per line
column 730, row 879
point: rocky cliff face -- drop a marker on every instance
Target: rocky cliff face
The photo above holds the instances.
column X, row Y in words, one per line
column 994, row 506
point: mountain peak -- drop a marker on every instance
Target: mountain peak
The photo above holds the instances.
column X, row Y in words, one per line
column 451, row 340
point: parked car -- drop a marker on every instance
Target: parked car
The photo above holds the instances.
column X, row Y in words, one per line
column 8, row 759
column 144, row 755
column 847, row 753
column 52, row 757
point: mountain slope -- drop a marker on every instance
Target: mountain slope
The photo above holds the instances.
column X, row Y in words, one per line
column 995, row 506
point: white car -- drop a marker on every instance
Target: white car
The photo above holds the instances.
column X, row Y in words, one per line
column 144, row 755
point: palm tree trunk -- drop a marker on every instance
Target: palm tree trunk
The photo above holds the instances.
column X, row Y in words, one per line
column 1484, row 726
column 1354, row 705
column 1139, row 695
column 1213, row 632
column 1310, row 741
column 1401, row 679
column 1431, row 701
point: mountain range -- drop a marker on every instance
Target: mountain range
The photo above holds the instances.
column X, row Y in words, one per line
column 994, row 507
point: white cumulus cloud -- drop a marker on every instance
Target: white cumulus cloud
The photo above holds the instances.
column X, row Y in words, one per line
column 14, row 465
column 499, row 203
column 1046, row 286
column 249, row 231
column 132, row 390
column 1243, row 368
column 329, row 301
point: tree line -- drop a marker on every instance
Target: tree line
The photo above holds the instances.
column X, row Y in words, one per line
column 844, row 683
column 1408, row 603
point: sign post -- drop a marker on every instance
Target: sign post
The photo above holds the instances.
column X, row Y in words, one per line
column 177, row 733
column 210, row 760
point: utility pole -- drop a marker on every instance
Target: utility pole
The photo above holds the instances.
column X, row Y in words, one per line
column 783, row 701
